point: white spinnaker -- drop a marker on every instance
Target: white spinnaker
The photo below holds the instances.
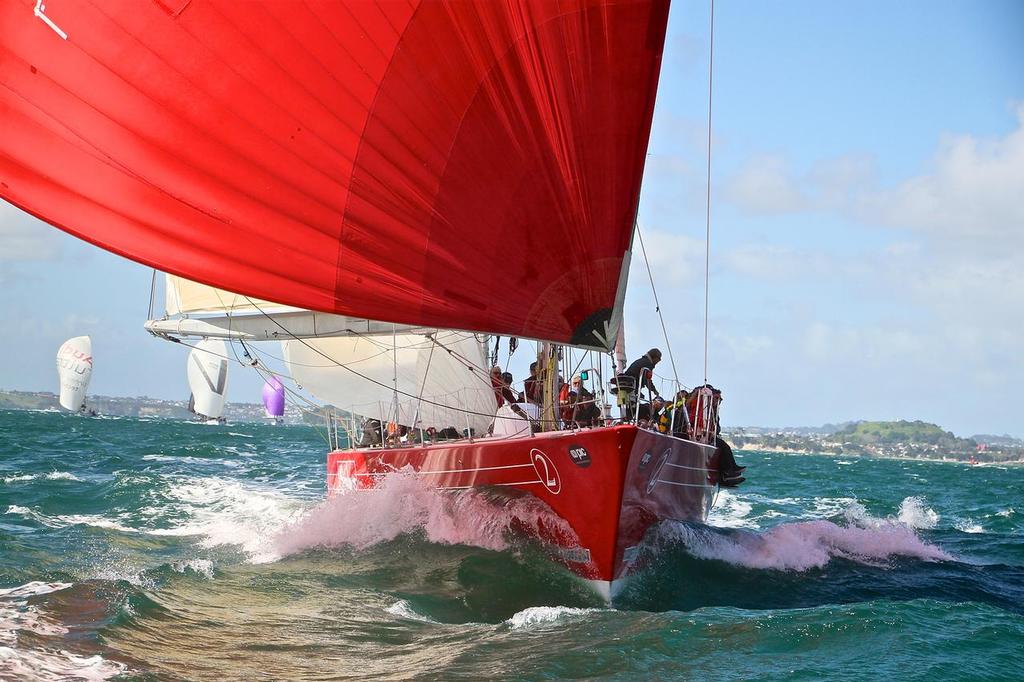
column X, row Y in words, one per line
column 456, row 388
column 208, row 376
column 74, row 367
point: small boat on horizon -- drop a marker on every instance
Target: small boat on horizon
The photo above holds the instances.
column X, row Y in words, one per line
column 74, row 368
column 273, row 400
column 208, row 380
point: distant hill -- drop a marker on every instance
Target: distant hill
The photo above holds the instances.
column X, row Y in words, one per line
column 142, row 406
column 915, row 432
column 905, row 439
column 1005, row 440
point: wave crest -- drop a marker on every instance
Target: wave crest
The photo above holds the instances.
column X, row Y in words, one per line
column 401, row 504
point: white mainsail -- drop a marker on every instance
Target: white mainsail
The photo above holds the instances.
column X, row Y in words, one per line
column 74, row 366
column 208, row 377
column 198, row 310
column 441, row 379
column 183, row 296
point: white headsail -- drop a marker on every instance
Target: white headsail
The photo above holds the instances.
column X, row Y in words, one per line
column 208, row 377
column 74, row 366
column 441, row 379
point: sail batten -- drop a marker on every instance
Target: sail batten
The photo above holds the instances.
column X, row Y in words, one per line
column 463, row 165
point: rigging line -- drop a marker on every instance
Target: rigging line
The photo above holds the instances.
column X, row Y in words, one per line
column 152, row 294
column 707, row 215
column 385, row 350
column 394, row 359
column 480, row 373
column 657, row 306
column 262, row 370
column 366, row 378
column 259, row 370
column 423, row 386
column 465, row 361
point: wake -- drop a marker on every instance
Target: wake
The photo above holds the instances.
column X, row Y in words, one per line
column 804, row 545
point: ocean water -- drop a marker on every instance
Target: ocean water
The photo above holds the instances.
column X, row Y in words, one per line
column 154, row 550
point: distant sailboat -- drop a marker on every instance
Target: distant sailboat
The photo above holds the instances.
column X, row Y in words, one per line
column 273, row 399
column 74, row 366
column 208, row 379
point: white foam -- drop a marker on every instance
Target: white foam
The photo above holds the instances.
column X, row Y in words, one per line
column 32, row 588
column 401, row 503
column 403, row 609
column 803, row 545
column 203, row 567
column 835, row 506
column 66, row 520
column 227, row 512
column 17, row 615
column 968, row 526
column 731, row 511
column 50, row 476
column 916, row 514
column 1009, row 511
column 117, row 569
column 55, row 666
column 545, row 615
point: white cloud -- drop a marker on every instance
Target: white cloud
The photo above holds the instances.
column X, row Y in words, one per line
column 973, row 190
column 764, row 186
column 883, row 345
column 965, row 217
column 675, row 260
column 771, row 262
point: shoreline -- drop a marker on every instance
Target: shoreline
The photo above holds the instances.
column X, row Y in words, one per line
column 947, row 460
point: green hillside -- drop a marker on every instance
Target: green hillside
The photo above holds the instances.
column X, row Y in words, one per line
column 915, row 432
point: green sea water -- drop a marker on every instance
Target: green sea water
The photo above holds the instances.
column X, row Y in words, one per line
column 155, row 550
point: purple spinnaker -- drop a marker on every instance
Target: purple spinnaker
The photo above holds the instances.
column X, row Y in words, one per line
column 273, row 397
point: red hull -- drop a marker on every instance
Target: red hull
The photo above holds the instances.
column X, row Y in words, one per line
column 609, row 484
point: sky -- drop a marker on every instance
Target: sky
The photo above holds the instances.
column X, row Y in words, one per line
column 867, row 223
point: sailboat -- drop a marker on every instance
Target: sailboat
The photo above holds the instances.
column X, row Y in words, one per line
column 273, row 399
column 403, row 182
column 74, row 367
column 208, row 380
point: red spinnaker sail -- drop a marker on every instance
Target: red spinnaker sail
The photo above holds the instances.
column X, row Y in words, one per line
column 467, row 164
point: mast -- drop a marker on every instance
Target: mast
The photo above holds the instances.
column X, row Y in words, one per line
column 620, row 348
column 548, row 364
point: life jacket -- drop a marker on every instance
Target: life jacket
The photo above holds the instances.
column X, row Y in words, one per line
column 565, row 406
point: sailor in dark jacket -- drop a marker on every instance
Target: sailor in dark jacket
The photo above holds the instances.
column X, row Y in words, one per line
column 641, row 370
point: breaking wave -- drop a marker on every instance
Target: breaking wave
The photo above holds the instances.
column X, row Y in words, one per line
column 49, row 476
column 802, row 545
column 547, row 615
column 401, row 504
column 20, row 662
